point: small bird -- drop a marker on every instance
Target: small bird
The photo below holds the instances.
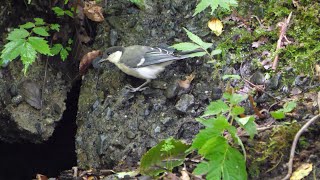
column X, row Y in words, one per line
column 142, row 62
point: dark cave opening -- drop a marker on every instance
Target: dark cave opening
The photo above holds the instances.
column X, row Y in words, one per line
column 22, row 161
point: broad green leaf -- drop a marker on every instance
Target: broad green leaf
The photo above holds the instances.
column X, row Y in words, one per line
column 233, row 131
column 40, row 45
column 40, row 31
column 237, row 110
column 28, row 55
column 203, row 136
column 289, row 106
column 70, row 41
column 216, row 107
column 12, row 49
column 39, row 21
column 196, row 39
column 56, row 49
column 231, row 76
column 202, row 168
column 244, row 121
column 27, row 25
column 66, row 1
column 18, row 34
column 69, row 13
column 58, row 11
column 214, row 147
column 277, row 114
column 197, row 54
column 225, row 4
column 64, row 54
column 216, row 52
column 219, row 124
column 55, row 27
column 237, row 98
column 156, row 161
column 186, row 46
column 251, row 127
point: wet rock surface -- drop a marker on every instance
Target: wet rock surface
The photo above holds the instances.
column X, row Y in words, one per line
column 30, row 108
column 116, row 127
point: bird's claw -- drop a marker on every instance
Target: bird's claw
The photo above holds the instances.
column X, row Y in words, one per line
column 132, row 89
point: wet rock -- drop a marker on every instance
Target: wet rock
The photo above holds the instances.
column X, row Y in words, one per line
column 172, row 90
column 185, row 102
column 17, row 100
column 113, row 37
column 257, row 78
column 31, row 94
column 300, row 80
column 274, row 82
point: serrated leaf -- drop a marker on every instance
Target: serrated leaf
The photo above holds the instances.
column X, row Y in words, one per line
column 64, row 54
column 56, row 49
column 289, row 106
column 28, row 55
column 231, row 76
column 197, row 54
column 55, row 27
column 12, row 49
column 58, row 11
column 216, row 107
column 237, row 98
column 216, row 52
column 18, row 34
column 186, row 46
column 220, row 123
column 203, row 136
column 237, row 110
column 243, row 121
column 27, row 25
column 156, row 161
column 277, row 114
column 40, row 45
column 251, row 127
column 196, row 39
column 39, row 21
column 202, row 6
column 202, row 168
column 40, row 31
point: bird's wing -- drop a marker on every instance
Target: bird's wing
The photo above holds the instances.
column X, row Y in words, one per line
column 156, row 56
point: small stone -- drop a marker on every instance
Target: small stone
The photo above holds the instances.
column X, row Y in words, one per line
column 157, row 129
column 172, row 90
column 130, row 135
column 166, row 121
column 186, row 101
column 257, row 78
column 16, row 100
column 113, row 37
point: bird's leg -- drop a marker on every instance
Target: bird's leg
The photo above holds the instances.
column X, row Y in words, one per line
column 139, row 88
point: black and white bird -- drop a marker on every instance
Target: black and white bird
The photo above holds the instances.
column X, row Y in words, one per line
column 142, row 62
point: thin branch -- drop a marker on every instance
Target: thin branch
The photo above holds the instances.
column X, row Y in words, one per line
column 283, row 30
column 294, row 144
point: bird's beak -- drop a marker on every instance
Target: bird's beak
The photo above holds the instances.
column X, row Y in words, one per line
column 96, row 62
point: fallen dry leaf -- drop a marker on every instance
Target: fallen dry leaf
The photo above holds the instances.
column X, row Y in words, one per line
column 302, row 171
column 186, row 83
column 318, row 71
column 93, row 11
column 87, row 59
column 216, row 26
column 184, row 174
column 260, row 42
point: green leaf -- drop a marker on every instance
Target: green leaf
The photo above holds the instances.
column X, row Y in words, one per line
column 289, row 106
column 237, row 98
column 203, row 136
column 220, row 123
column 277, row 114
column 202, row 168
column 64, row 54
column 196, row 39
column 40, row 45
column 237, row 110
column 244, row 121
column 12, row 49
column 237, row 77
column 69, row 13
column 40, row 31
column 58, row 11
column 28, row 56
column 18, row 34
column 39, row 21
column 156, row 161
column 186, row 46
column 27, row 25
column 56, row 49
column 55, row 27
column 202, row 6
column 197, row 54
column 216, row 107
column 251, row 127
column 66, row 1
column 70, row 41
column 216, row 52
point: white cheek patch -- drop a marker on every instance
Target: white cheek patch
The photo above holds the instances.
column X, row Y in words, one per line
column 141, row 61
column 115, row 57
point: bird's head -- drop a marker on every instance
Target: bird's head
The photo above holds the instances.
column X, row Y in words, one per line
column 112, row 54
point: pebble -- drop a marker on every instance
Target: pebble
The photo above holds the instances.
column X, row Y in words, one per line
column 186, row 101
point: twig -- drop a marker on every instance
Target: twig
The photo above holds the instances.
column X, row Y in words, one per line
column 260, row 89
column 294, row 144
column 255, row 109
column 283, row 30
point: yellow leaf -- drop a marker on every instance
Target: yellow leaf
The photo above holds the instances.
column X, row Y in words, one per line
column 302, row 171
column 216, row 26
